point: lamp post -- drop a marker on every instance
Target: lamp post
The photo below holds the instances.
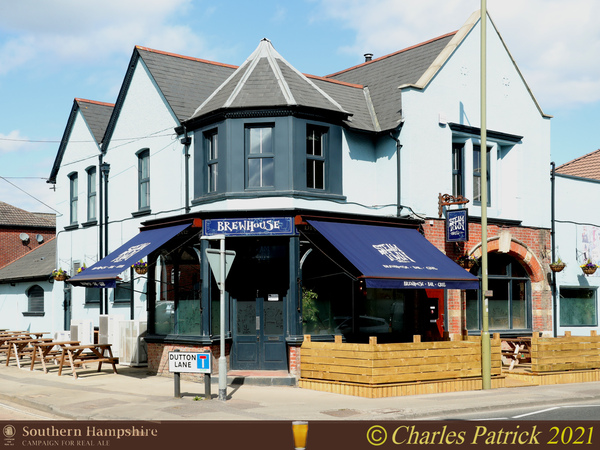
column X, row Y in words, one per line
column 105, row 169
column 485, row 333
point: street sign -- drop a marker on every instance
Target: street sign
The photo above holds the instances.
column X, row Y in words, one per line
column 213, row 255
column 187, row 362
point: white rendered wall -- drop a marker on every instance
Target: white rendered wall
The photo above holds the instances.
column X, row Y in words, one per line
column 573, row 212
column 520, row 178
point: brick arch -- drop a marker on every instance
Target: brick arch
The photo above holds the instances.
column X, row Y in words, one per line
column 520, row 252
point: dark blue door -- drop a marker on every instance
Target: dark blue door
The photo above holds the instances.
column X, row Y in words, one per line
column 258, row 338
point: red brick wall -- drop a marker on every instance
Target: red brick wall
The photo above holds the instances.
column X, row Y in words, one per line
column 11, row 246
column 530, row 246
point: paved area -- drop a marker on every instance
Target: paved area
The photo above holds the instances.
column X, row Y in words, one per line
column 133, row 394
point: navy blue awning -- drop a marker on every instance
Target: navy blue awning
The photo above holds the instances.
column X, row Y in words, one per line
column 104, row 273
column 395, row 258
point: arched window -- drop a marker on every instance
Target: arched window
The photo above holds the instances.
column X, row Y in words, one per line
column 510, row 304
column 35, row 300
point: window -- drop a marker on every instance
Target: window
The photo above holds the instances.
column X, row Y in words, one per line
column 93, row 295
column 509, row 307
column 261, row 159
column 212, row 159
column 91, row 196
column 477, row 175
column 144, row 179
column 73, row 186
column 458, row 188
column 35, row 300
column 578, row 307
column 123, row 292
column 315, row 157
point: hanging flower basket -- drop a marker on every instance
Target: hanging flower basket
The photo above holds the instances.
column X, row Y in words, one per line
column 589, row 267
column 140, row 267
column 59, row 275
column 467, row 262
column 557, row 266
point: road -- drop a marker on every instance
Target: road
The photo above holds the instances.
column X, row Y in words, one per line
column 586, row 410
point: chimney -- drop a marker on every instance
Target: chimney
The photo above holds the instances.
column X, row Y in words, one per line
column 368, row 57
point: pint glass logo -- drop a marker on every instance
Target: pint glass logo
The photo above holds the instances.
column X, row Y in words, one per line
column 130, row 252
column 393, row 253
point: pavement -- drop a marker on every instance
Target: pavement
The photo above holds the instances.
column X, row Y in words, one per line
column 135, row 394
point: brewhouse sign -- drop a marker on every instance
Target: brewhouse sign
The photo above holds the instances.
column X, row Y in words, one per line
column 457, row 225
column 256, row 226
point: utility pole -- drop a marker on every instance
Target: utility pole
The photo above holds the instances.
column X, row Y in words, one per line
column 486, row 361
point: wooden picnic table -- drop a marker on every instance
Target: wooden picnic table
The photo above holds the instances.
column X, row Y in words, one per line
column 47, row 351
column 21, row 347
column 517, row 350
column 78, row 355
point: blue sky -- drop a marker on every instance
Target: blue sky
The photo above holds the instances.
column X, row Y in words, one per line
column 56, row 50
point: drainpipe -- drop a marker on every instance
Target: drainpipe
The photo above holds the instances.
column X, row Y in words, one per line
column 553, row 234
column 395, row 135
column 186, row 141
column 100, row 224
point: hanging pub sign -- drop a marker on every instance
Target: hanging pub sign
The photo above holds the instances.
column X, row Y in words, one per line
column 256, row 226
column 457, row 225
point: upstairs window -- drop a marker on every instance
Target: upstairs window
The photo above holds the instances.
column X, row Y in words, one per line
column 477, row 175
column 260, row 156
column 212, row 159
column 144, row 179
column 73, row 196
column 91, row 197
column 458, row 169
column 315, row 156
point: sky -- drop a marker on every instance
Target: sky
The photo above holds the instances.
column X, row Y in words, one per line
column 53, row 51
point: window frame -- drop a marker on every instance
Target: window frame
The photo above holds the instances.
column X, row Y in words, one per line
column 92, row 178
column 261, row 156
column 73, row 197
column 35, row 304
column 458, row 169
column 211, row 142
column 312, row 159
column 561, row 298
column 477, row 174
column 143, row 157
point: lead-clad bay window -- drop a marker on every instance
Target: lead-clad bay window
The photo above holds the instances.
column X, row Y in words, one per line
column 260, row 155
column 315, row 156
column 143, row 179
column 212, row 159
column 578, row 307
column 73, row 196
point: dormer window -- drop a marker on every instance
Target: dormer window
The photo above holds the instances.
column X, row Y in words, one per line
column 260, row 156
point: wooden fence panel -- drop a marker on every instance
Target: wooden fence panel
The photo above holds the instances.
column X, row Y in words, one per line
column 565, row 353
column 376, row 364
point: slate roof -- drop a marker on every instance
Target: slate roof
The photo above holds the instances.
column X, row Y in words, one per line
column 184, row 81
column 586, row 166
column 37, row 264
column 383, row 76
column 11, row 216
column 96, row 115
column 266, row 79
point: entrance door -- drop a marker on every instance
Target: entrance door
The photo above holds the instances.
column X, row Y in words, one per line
column 258, row 338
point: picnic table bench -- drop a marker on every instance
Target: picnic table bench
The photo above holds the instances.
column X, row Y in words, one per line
column 22, row 347
column 78, row 355
column 49, row 351
column 516, row 350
